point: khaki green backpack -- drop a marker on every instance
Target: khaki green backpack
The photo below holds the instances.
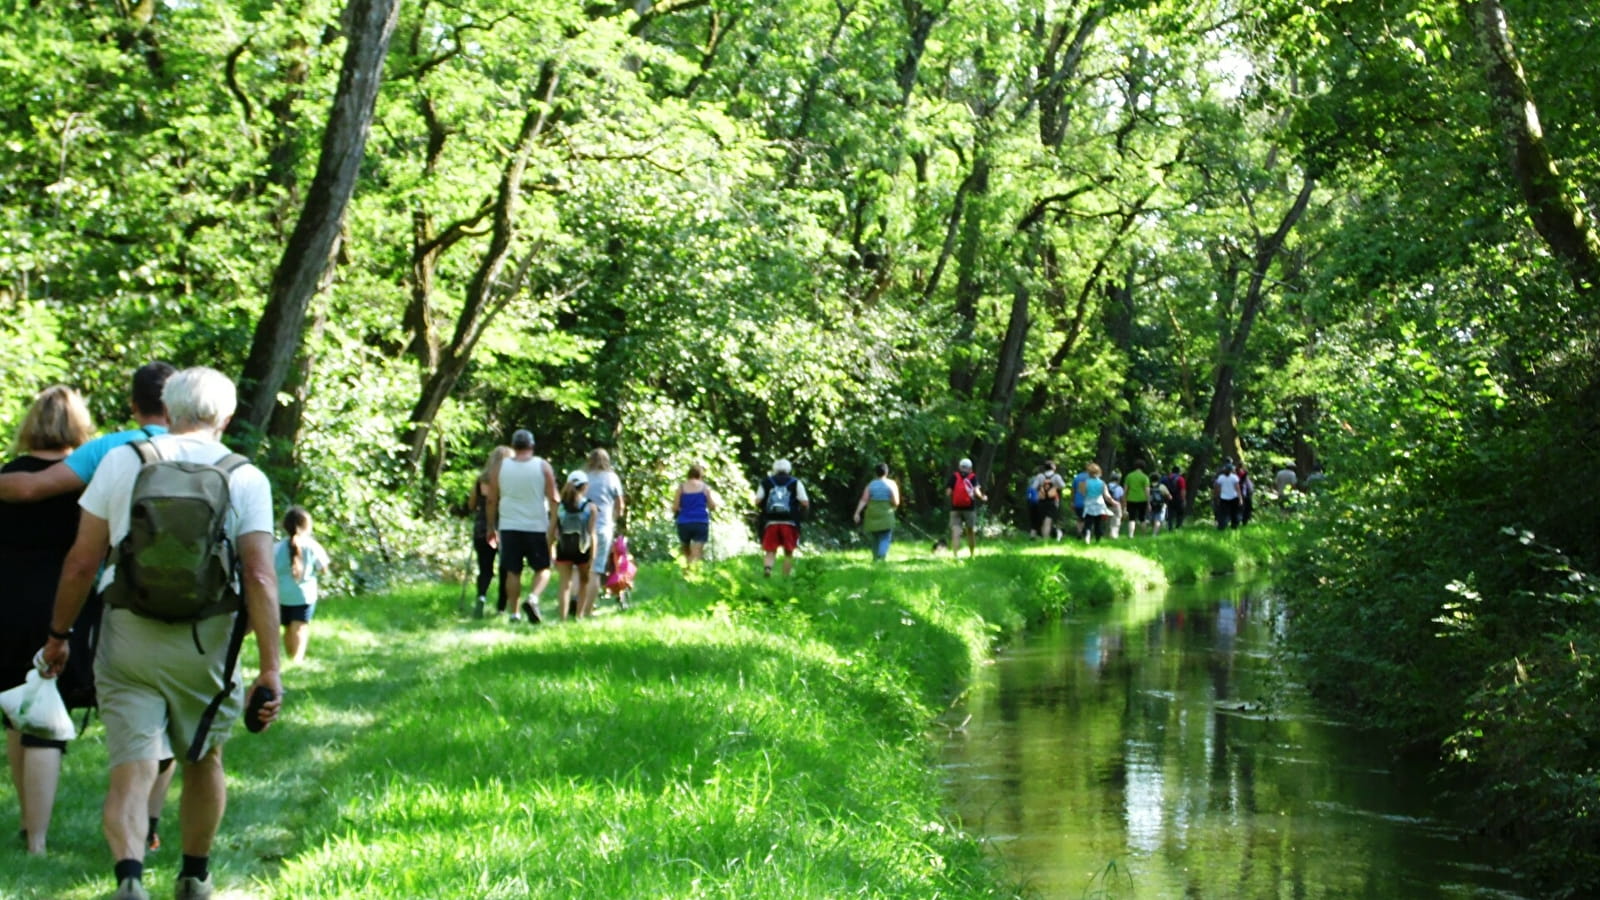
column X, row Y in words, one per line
column 176, row 563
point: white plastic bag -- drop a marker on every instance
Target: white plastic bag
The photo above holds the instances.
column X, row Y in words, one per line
column 35, row 708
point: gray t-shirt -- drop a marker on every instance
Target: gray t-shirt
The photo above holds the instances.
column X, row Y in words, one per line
column 605, row 489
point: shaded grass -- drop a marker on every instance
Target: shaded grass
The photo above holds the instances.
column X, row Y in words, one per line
column 729, row 736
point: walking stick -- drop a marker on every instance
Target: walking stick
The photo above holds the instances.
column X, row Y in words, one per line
column 466, row 574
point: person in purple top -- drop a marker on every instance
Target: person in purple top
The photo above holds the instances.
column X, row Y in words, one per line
column 691, row 509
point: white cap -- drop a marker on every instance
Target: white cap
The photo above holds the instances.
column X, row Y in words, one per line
column 966, row 465
column 781, row 467
column 578, row 476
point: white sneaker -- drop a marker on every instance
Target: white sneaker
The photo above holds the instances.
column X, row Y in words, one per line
column 130, row 889
column 193, row 888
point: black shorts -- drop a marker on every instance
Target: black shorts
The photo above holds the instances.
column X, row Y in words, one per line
column 28, row 740
column 1138, row 510
column 519, row 546
column 301, row 613
column 573, row 556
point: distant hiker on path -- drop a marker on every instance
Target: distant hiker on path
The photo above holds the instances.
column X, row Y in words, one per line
column 782, row 499
column 154, row 688
column 298, row 560
column 575, row 524
column 1137, row 485
column 522, row 504
column 964, row 494
column 610, row 505
column 1227, row 498
column 482, row 544
column 1051, row 486
column 1079, row 497
column 692, row 507
column 1033, row 500
column 879, row 500
column 1285, row 480
column 1178, row 488
column 1096, row 505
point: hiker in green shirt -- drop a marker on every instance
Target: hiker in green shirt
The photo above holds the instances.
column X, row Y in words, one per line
column 1137, row 485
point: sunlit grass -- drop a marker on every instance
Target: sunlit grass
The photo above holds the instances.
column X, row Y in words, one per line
column 730, row 736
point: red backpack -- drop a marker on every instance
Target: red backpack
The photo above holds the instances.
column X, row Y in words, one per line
column 961, row 493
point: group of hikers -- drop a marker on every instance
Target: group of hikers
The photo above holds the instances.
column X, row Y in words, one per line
column 522, row 520
column 137, row 574
column 138, row 561
column 1100, row 506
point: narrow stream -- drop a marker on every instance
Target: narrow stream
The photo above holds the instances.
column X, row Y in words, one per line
column 1159, row 749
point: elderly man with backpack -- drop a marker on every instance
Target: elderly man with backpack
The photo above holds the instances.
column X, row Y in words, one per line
column 783, row 503
column 173, row 511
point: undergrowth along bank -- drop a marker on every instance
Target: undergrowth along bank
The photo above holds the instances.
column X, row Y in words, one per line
column 728, row 736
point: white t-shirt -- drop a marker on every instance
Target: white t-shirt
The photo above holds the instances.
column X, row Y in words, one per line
column 111, row 489
column 1227, row 486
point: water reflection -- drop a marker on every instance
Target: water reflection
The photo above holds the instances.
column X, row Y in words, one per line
column 1157, row 749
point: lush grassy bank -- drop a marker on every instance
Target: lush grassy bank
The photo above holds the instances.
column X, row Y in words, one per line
column 729, row 736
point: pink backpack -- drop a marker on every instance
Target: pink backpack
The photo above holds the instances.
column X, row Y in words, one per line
column 620, row 578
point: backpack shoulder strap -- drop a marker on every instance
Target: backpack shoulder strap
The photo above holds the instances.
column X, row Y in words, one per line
column 147, row 452
column 230, row 667
column 230, row 463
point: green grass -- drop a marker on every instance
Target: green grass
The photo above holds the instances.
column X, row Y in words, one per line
column 730, row 736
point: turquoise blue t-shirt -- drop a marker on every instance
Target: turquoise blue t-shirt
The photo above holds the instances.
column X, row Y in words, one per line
column 84, row 460
column 305, row 591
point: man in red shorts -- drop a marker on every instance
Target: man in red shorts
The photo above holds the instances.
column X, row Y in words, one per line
column 783, row 504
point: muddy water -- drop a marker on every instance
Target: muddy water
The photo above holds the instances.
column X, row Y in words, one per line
column 1160, row 749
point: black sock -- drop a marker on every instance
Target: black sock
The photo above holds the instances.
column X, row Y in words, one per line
column 128, row 868
column 154, row 821
column 194, row 867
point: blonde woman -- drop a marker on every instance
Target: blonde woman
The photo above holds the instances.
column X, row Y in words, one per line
column 482, row 534
column 610, row 504
column 34, row 539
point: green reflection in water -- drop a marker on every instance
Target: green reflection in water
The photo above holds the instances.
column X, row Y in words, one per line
column 1157, row 749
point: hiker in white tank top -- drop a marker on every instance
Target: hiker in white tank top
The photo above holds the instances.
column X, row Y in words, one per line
column 523, row 504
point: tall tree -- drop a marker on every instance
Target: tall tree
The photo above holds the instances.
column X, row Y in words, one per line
column 1557, row 214
column 367, row 25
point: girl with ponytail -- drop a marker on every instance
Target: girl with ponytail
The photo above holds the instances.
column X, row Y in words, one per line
column 299, row 560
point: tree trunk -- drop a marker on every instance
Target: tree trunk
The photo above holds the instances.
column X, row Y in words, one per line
column 283, row 432
column 1119, row 331
column 1556, row 215
column 1008, row 367
column 485, row 293
column 1220, row 420
column 368, row 27
column 969, row 283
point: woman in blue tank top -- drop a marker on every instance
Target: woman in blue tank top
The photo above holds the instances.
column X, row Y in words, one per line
column 691, row 509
